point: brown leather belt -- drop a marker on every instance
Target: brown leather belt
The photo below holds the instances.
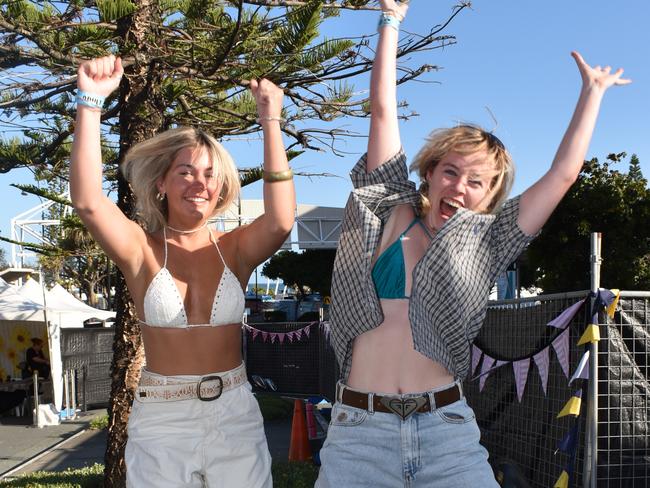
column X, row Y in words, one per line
column 402, row 406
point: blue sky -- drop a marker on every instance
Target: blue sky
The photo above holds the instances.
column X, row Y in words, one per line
column 511, row 56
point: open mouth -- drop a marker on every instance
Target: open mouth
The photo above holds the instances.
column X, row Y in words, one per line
column 449, row 207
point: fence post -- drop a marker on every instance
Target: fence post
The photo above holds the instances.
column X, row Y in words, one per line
column 590, row 465
column 84, row 384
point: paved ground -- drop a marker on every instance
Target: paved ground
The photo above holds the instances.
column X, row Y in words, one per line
column 73, row 445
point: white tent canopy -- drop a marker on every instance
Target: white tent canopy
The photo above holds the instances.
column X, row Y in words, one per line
column 62, row 307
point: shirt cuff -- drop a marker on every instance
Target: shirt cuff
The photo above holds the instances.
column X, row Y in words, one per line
column 392, row 170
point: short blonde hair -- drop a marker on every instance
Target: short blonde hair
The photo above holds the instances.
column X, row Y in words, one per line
column 465, row 139
column 146, row 162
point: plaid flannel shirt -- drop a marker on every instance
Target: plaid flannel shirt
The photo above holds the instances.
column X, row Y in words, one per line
column 451, row 283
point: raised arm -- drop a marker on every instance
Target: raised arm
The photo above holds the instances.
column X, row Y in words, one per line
column 120, row 237
column 539, row 201
column 383, row 138
column 265, row 235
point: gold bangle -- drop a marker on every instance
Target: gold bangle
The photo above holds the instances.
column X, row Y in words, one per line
column 273, row 176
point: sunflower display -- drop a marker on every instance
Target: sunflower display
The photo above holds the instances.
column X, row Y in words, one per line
column 20, row 337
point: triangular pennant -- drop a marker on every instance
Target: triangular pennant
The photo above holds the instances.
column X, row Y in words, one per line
column 290, row 336
column 591, row 334
column 485, row 367
column 561, row 347
column 562, row 481
column 598, row 305
column 542, row 362
column 569, row 441
column 274, row 337
column 611, row 307
column 281, row 337
column 265, row 336
column 255, row 332
column 572, row 406
column 521, row 375
column 476, row 357
column 563, row 320
column 582, row 370
column 307, row 329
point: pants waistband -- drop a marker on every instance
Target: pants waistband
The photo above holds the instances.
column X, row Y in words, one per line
column 155, row 387
column 401, row 405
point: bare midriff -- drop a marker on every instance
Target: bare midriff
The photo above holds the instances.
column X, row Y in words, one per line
column 384, row 361
column 192, row 350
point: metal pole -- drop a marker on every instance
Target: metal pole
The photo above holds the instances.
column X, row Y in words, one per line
column 66, row 393
column 37, row 417
column 590, row 465
column 84, row 385
column 73, row 392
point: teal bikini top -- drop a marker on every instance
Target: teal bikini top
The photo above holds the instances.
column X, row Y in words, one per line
column 388, row 273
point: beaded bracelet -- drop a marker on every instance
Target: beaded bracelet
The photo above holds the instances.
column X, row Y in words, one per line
column 90, row 100
column 389, row 19
column 273, row 176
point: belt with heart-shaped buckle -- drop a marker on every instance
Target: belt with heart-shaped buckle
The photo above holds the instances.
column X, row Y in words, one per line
column 402, row 406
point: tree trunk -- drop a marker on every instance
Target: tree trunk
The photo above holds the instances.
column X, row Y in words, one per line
column 142, row 107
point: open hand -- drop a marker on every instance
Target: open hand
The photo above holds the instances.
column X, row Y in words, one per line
column 100, row 76
column 268, row 96
column 598, row 77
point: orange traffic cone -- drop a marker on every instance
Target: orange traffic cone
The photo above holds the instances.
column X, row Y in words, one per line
column 299, row 449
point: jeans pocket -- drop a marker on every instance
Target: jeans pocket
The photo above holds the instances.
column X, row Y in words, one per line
column 456, row 413
column 345, row 416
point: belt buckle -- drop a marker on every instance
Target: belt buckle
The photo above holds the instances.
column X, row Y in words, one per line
column 209, row 378
column 403, row 407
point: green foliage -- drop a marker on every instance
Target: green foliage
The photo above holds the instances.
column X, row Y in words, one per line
column 274, row 407
column 309, row 269
column 99, row 423
column 602, row 200
column 285, row 475
column 294, row 475
column 110, row 10
column 89, row 477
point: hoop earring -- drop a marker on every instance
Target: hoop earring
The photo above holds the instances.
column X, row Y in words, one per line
column 160, row 196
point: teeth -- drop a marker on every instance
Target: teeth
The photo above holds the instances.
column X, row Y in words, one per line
column 196, row 199
column 452, row 203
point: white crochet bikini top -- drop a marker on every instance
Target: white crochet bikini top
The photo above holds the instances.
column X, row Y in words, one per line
column 163, row 304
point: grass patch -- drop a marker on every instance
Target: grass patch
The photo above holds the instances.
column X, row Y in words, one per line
column 89, row 477
column 99, row 423
column 274, row 407
column 285, row 475
column 294, row 475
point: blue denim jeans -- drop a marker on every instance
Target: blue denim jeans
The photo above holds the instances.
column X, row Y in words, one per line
column 438, row 449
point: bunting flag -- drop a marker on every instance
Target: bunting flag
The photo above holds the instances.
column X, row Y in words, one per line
column 542, row 362
column 591, row 334
column 562, row 481
column 563, row 320
column 486, row 366
column 569, row 441
column 572, row 407
column 611, row 307
column 280, row 337
column 582, row 371
column 476, row 357
column 561, row 346
column 521, row 375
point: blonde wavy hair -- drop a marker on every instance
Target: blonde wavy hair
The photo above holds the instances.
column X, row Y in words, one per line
column 147, row 162
column 465, row 139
